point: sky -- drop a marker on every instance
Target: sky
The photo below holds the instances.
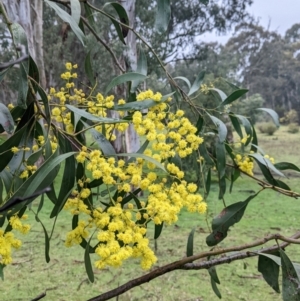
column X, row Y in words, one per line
column 280, row 14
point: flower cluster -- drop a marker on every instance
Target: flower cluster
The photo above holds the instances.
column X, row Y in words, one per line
column 8, row 241
column 245, row 164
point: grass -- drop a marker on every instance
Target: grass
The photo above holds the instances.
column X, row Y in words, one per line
column 64, row 277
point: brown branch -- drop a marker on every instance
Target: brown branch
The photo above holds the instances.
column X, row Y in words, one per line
column 182, row 264
column 39, row 297
column 10, row 64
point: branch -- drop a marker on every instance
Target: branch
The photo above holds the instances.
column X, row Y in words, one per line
column 185, row 263
column 9, row 64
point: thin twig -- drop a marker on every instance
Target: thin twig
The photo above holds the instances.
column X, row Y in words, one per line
column 39, row 297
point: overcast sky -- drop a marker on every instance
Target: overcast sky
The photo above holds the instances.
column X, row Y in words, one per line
column 281, row 14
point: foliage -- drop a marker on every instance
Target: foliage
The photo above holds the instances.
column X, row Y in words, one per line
column 290, row 117
column 73, row 127
column 293, row 128
column 268, row 128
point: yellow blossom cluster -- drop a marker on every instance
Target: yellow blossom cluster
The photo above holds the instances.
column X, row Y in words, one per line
column 178, row 131
column 245, row 164
column 8, row 241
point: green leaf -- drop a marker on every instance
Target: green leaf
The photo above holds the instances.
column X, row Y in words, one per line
column 163, row 15
column 103, row 143
column 6, row 119
column 197, row 83
column 2, row 266
column 89, row 16
column 147, row 158
column 87, row 262
column 199, row 124
column 136, row 105
column 254, row 140
column 91, row 117
column 123, row 17
column 265, row 161
column 19, row 36
column 214, row 279
column 204, row 153
column 23, row 87
column 286, row 165
column 215, row 288
column 68, row 178
column 157, row 230
column 290, row 279
column 227, row 218
column 221, row 158
column 69, row 19
column 208, row 182
column 269, row 270
column 236, row 124
column 248, row 127
column 47, row 240
column 141, row 68
column 185, row 80
column 220, row 93
column 75, row 10
column 190, row 244
column 123, row 78
column 33, row 183
column 89, row 69
column 234, row 96
column 222, row 129
column 3, row 73
column 273, row 114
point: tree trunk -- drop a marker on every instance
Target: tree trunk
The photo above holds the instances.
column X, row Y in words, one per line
column 29, row 14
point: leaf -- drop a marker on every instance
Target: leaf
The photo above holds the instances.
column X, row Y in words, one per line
column 23, row 87
column 69, row 19
column 205, row 154
column 136, row 105
column 87, row 262
column 270, row 271
column 208, row 182
column 33, row 72
column 290, row 279
column 214, row 279
column 6, row 119
column 3, row 73
column 190, row 244
column 273, row 114
column 197, row 83
column 89, row 69
column 89, row 15
column 234, row 96
column 123, row 78
column 91, row 117
column 75, row 10
column 215, row 288
column 68, row 177
column 265, row 161
column 247, row 125
column 141, row 68
column 163, row 15
column 103, row 143
column 185, row 80
column 222, row 129
column 199, row 124
column 19, row 36
column 254, row 140
column 147, row 158
column 33, row 183
column 286, row 165
column 2, row 266
column 47, row 240
column 227, row 218
column 236, row 124
column 157, row 230
column 220, row 93
column 123, row 17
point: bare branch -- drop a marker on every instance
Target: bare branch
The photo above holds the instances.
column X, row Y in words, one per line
column 183, row 263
